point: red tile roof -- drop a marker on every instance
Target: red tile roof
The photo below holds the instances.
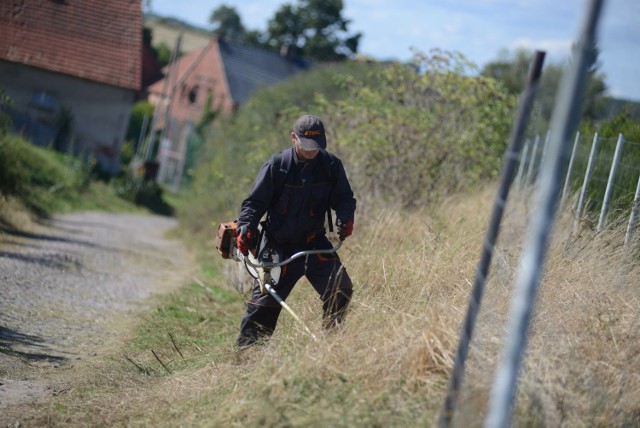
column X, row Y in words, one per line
column 94, row 39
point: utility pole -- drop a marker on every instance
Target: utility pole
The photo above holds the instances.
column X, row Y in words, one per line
column 165, row 99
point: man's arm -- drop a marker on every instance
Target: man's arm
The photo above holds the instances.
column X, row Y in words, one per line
column 259, row 199
column 342, row 199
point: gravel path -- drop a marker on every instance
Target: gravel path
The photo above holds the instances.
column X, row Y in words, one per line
column 67, row 290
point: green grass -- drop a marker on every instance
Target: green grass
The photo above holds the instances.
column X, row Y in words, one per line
column 38, row 182
column 48, row 182
column 196, row 318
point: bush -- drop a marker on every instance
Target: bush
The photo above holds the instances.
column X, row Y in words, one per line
column 41, row 178
column 142, row 192
column 417, row 136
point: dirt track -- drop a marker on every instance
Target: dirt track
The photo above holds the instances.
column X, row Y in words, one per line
column 70, row 289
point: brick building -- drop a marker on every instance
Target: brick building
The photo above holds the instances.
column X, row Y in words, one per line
column 72, row 70
column 224, row 72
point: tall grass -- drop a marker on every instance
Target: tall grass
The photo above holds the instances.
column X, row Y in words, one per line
column 389, row 364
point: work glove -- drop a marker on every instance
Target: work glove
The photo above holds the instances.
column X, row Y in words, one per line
column 245, row 239
column 344, row 228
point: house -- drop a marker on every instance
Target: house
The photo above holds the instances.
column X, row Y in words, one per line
column 72, row 70
column 223, row 74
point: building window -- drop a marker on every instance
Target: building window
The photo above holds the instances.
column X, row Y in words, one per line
column 43, row 100
column 193, row 94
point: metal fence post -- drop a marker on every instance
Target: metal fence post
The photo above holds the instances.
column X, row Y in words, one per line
column 609, row 191
column 544, row 147
column 587, row 178
column 633, row 218
column 508, row 171
column 143, row 133
column 532, row 159
column 568, row 177
column 564, row 121
column 523, row 161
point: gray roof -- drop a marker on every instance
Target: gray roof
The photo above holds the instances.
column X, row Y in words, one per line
column 249, row 68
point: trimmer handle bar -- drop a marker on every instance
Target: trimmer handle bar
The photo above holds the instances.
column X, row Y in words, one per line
column 293, row 257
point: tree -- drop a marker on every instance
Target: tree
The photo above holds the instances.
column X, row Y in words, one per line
column 315, row 28
column 228, row 24
column 511, row 71
column 595, row 91
column 161, row 53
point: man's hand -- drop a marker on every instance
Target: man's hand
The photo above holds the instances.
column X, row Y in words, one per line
column 344, row 228
column 245, row 239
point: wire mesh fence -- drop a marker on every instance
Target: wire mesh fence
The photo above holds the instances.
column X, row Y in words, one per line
column 602, row 177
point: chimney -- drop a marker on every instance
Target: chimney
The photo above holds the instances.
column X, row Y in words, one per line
column 287, row 51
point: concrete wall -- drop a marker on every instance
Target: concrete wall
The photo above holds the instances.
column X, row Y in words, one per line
column 100, row 112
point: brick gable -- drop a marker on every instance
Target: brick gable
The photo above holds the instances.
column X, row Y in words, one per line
column 93, row 39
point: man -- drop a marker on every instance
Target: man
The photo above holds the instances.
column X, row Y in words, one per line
column 297, row 188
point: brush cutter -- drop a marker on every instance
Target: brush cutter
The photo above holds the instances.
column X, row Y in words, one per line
column 267, row 267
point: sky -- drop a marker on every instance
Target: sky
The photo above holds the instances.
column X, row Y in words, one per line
column 479, row 29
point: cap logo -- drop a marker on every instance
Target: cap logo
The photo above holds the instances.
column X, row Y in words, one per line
column 311, row 133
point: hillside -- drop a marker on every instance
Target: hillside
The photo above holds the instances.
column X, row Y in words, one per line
column 166, row 30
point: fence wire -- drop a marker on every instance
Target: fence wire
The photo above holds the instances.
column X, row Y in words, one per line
column 623, row 185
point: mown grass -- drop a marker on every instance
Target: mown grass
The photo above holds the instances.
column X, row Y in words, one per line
column 390, row 363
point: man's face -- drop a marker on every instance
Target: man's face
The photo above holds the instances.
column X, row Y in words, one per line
column 304, row 154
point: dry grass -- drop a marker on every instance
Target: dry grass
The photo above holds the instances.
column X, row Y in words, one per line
column 389, row 365
column 14, row 215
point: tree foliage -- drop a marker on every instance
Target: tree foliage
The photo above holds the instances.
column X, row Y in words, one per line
column 511, row 70
column 161, row 52
column 624, row 122
column 138, row 112
column 227, row 23
column 314, row 27
column 421, row 135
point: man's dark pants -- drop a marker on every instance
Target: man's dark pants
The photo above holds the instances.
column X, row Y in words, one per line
column 327, row 276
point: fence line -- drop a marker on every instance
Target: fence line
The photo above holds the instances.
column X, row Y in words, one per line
column 508, row 172
column 587, row 178
column 564, row 121
column 612, row 173
column 634, row 215
column 570, row 168
column 606, row 175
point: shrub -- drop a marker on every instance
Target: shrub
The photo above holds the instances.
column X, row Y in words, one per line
column 41, row 178
column 424, row 131
column 141, row 192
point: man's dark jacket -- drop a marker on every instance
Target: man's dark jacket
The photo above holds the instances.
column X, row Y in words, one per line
column 297, row 209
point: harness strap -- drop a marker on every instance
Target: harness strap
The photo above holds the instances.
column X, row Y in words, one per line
column 282, row 165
